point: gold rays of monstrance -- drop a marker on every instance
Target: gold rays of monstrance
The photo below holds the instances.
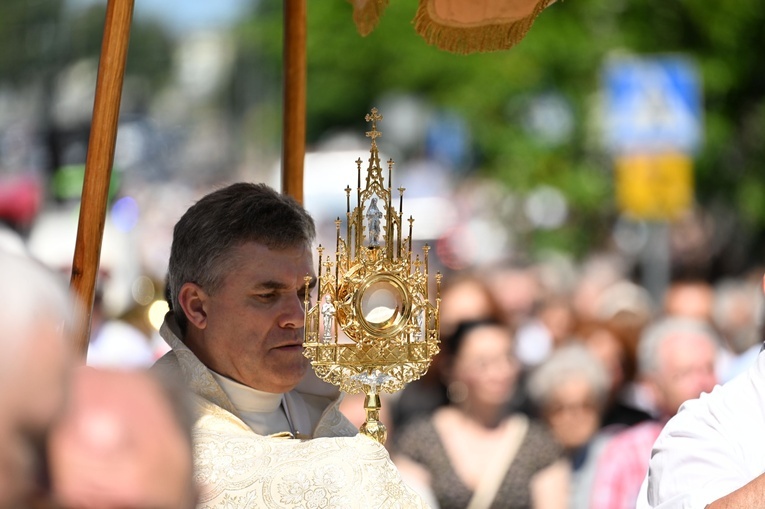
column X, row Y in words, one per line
column 374, row 327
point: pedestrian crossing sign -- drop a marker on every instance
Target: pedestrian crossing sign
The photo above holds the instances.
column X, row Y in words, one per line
column 652, row 105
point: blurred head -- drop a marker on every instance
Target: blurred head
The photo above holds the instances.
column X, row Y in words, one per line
column 625, row 298
column 605, row 345
column 676, row 361
column 466, row 297
column 236, row 276
column 691, row 299
column 626, row 309
column 35, row 313
column 517, row 291
column 596, row 275
column 737, row 312
column 570, row 390
column 557, row 315
column 483, row 370
column 123, row 443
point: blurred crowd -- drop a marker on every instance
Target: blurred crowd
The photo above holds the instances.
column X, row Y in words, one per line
column 589, row 358
column 555, row 377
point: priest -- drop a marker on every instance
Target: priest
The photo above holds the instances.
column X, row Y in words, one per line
column 270, row 434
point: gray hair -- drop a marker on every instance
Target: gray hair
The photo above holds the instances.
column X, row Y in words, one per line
column 564, row 364
column 737, row 298
column 206, row 234
column 655, row 335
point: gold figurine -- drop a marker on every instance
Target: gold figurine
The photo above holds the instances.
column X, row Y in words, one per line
column 374, row 327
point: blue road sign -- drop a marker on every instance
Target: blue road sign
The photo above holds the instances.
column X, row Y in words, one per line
column 652, row 105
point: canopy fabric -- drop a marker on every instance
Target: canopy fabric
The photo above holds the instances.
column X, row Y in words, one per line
column 366, row 14
column 461, row 26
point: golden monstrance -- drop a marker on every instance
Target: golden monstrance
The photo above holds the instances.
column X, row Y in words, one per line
column 374, row 327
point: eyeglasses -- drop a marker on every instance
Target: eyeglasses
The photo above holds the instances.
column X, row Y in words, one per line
column 577, row 407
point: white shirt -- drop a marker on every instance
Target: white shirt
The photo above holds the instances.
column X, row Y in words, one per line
column 267, row 413
column 712, row 447
column 261, row 411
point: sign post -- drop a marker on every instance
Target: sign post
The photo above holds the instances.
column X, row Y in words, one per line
column 652, row 125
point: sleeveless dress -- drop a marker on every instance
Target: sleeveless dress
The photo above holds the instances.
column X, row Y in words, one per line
column 421, row 442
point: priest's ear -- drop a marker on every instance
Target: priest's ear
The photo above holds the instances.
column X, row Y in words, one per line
column 193, row 300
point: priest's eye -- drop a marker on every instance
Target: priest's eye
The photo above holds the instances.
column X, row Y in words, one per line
column 266, row 297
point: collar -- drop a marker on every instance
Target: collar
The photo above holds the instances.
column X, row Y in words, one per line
column 245, row 398
column 196, row 375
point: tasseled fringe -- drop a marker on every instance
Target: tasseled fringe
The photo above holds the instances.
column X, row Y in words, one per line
column 475, row 39
column 366, row 14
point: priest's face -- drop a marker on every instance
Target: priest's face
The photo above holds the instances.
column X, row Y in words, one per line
column 250, row 329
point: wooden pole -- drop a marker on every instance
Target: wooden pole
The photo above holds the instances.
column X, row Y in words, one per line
column 98, row 165
column 293, row 136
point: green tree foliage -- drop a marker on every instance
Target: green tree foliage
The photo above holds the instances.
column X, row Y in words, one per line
column 726, row 39
column 149, row 52
column 38, row 38
column 29, row 36
column 563, row 54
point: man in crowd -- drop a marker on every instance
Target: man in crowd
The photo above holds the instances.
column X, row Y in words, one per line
column 676, row 363
column 711, row 454
column 236, row 283
column 34, row 314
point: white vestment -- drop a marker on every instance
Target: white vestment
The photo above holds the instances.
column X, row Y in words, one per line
column 237, row 468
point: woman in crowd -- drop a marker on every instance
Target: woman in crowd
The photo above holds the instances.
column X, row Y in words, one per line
column 464, row 297
column 470, row 453
column 570, row 390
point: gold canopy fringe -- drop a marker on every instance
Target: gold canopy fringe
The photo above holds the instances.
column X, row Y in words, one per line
column 494, row 35
column 366, row 14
